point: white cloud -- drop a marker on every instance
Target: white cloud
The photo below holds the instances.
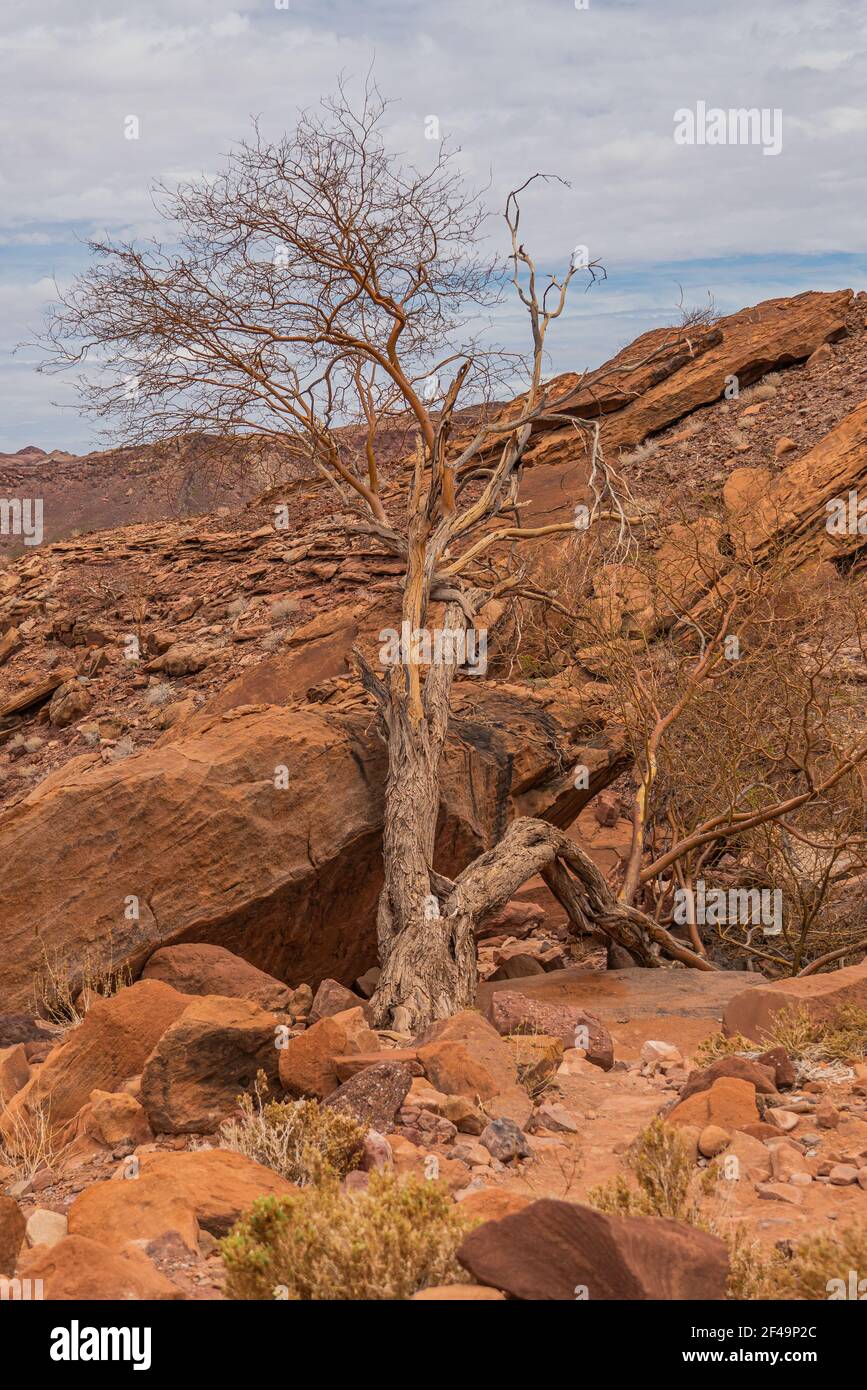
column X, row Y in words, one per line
column 520, row 86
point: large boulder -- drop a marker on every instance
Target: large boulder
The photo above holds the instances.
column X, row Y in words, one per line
column 560, row 1250
column 108, row 1048
column 752, row 1013
column 211, row 1053
column 260, row 829
column 745, row 345
column 514, row 1012
column 480, row 1041
column 742, row 1067
column 454, row 1071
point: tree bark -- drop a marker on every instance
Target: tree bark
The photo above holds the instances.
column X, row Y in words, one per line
column 430, row 971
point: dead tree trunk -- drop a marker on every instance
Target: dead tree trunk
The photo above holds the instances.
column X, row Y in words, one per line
column 428, row 968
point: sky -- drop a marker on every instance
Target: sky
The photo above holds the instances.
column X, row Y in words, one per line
column 587, row 89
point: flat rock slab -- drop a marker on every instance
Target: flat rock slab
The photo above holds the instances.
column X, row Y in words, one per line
column 621, row 995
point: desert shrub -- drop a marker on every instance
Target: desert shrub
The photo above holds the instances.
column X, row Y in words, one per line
column 814, row 1263
column 841, row 1038
column 301, row 1140
column 667, row 1185
column 641, row 454
column 60, row 981
column 764, row 390
column 718, row 1045
column 27, row 1144
column 385, row 1242
column 660, row 1162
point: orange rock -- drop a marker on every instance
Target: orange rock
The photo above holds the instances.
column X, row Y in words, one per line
column 138, row 1209
column 511, row 1104
column 14, row 1071
column 347, row 1067
column 784, row 445
column 82, row 1269
column 195, row 967
column 218, row 1183
column 108, row 1047
column 549, row 1248
column 492, row 1203
column 211, row 1053
column 115, row 1117
column 537, row 1056
column 452, row 1069
column 730, row 1103
column 214, row 848
column 307, row 1062
column 752, row 1012
column 482, row 1041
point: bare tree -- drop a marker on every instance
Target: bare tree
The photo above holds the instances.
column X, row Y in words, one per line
column 744, row 715
column 316, row 282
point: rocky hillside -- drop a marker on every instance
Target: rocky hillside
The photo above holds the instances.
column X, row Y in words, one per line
column 191, row 822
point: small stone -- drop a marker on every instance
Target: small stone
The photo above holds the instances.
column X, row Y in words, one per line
column 787, row 1161
column 712, row 1140
column 504, row 1140
column 557, row 1118
column 472, row 1152
column 45, row 1227
column 843, row 1174
column 653, row 1053
column 781, row 1119
column 377, row 1156
column 779, row 1192
column 827, row 1116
